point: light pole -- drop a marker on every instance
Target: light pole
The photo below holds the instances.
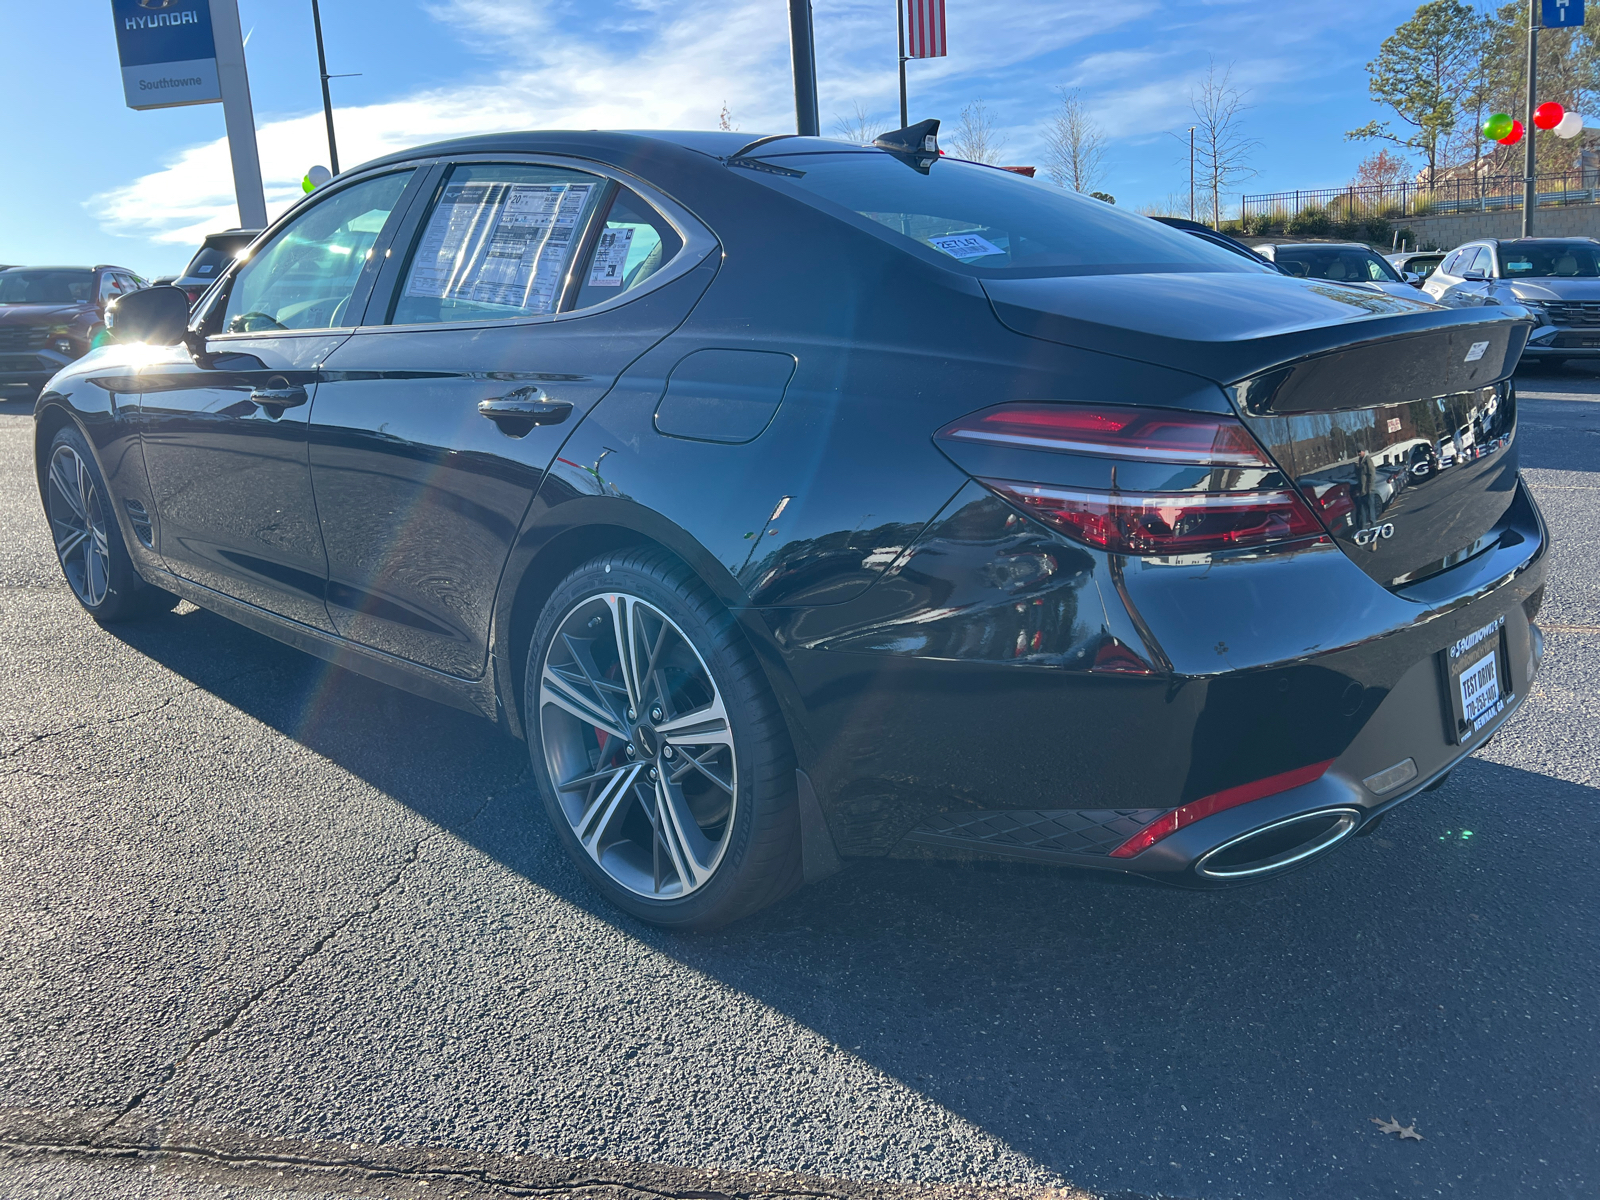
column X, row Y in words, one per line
column 803, row 51
column 327, row 98
column 1530, row 181
column 1191, row 172
column 900, row 26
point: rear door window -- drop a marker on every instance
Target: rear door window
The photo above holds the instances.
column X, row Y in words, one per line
column 634, row 243
column 498, row 243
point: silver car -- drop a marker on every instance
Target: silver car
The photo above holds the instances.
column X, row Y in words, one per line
column 1557, row 279
column 1340, row 262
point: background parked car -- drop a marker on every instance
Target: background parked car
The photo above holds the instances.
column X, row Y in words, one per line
column 1338, row 262
column 50, row 316
column 1420, row 263
column 1557, row 279
column 209, row 262
column 1217, row 238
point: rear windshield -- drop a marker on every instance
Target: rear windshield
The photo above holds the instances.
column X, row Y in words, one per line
column 990, row 222
column 46, row 287
column 1341, row 264
column 212, row 260
column 1549, row 260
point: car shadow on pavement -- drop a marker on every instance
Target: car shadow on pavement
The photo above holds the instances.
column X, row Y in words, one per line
column 1207, row 1041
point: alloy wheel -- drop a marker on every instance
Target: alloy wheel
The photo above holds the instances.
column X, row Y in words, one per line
column 78, row 524
column 638, row 746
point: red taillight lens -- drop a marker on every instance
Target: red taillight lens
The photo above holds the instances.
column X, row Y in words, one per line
column 1147, row 434
column 1180, row 523
column 1227, row 516
column 1199, row 810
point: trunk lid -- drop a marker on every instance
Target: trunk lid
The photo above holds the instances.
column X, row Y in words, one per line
column 1396, row 417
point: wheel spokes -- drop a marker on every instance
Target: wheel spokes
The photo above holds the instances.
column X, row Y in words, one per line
column 559, row 691
column 621, row 608
column 703, row 726
column 64, row 476
column 681, row 837
column 601, row 813
column 636, row 818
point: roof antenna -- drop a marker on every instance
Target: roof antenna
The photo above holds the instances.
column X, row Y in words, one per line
column 916, row 145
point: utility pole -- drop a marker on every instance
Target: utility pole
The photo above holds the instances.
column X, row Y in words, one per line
column 803, row 52
column 238, row 115
column 900, row 24
column 1530, row 182
column 1191, row 172
column 327, row 99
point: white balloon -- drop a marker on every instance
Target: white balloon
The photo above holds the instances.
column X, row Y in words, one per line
column 1570, row 127
column 319, row 175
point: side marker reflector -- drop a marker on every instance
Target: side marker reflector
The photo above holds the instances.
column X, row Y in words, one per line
column 1199, row 810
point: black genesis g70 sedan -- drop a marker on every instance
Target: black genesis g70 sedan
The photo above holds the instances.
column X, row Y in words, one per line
column 798, row 500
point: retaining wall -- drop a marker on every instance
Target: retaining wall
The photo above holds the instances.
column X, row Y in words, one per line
column 1448, row 232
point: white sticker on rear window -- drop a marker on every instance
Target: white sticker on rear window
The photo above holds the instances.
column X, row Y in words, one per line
column 499, row 243
column 1476, row 351
column 611, row 257
column 964, row 245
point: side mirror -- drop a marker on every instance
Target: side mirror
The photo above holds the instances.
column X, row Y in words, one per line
column 1413, row 279
column 158, row 316
column 1476, row 274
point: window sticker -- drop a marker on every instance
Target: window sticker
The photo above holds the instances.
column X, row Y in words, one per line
column 964, row 245
column 499, row 243
column 611, row 257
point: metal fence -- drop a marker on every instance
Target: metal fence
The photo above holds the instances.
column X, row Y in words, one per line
column 1397, row 200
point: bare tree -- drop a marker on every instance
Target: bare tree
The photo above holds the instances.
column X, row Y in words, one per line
column 859, row 128
column 1221, row 147
column 1382, row 171
column 1075, row 146
column 725, row 120
column 976, row 138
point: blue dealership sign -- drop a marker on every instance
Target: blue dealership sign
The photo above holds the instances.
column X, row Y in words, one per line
column 1561, row 14
column 168, row 53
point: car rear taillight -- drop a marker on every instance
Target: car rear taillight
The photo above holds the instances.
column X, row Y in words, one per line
column 1236, row 507
column 1199, row 810
column 1177, row 523
column 1148, row 434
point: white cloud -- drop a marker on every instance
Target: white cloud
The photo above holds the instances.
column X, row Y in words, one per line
column 656, row 66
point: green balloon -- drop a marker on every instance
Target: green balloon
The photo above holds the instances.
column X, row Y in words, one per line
column 1497, row 126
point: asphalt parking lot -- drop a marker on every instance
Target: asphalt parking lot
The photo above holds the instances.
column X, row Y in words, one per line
column 315, row 934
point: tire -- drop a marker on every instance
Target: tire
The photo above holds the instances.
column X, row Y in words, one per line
column 612, row 785
column 87, row 539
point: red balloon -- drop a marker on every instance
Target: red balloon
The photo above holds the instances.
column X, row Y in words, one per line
column 1515, row 136
column 1548, row 116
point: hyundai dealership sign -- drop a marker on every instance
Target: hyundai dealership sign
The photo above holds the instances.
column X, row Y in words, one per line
column 168, row 53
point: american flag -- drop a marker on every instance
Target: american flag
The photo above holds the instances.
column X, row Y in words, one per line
column 925, row 29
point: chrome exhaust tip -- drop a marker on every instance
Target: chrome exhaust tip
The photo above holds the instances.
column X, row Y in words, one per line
column 1279, row 845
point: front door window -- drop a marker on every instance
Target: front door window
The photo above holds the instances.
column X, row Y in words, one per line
column 305, row 277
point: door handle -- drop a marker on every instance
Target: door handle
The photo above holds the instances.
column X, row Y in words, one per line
column 278, row 395
column 516, row 413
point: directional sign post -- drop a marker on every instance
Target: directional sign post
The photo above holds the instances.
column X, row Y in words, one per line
column 177, row 52
column 1561, row 14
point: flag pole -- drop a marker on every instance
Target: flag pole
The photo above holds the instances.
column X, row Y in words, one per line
column 900, row 24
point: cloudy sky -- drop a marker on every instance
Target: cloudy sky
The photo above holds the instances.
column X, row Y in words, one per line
column 91, row 180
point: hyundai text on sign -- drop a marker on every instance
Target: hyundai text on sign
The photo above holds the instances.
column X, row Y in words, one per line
column 167, row 51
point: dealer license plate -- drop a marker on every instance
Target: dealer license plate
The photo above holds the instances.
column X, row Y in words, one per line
column 1478, row 690
column 1480, row 687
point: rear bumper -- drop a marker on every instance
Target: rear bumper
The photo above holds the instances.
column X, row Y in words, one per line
column 1023, row 751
